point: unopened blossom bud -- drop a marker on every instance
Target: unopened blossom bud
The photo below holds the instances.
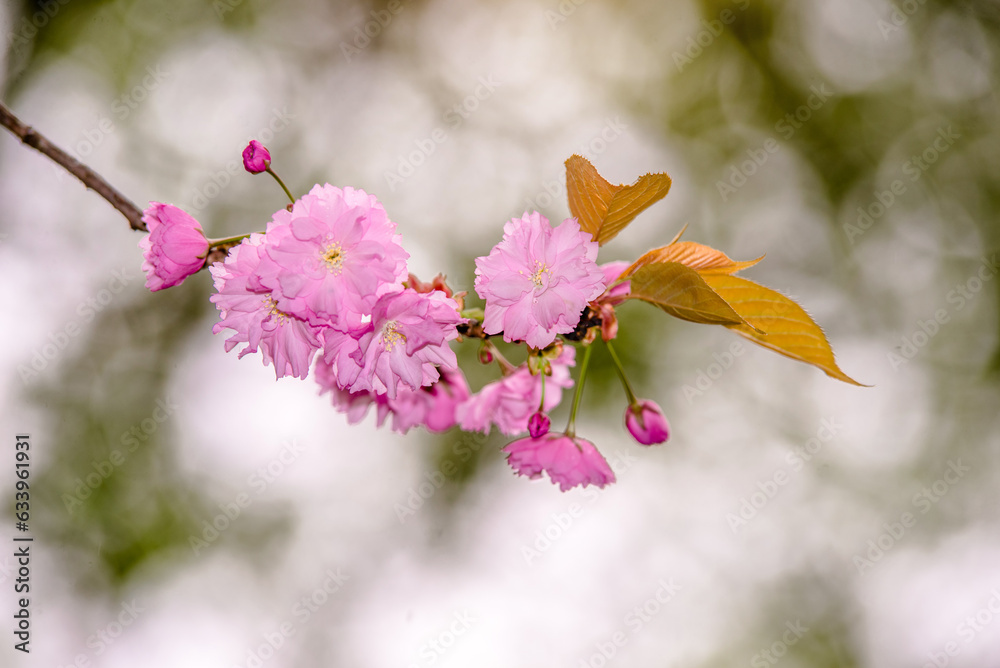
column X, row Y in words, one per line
column 175, row 247
column 256, row 158
column 485, row 355
column 538, row 425
column 646, row 423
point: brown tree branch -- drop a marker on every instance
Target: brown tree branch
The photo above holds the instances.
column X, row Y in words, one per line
column 89, row 177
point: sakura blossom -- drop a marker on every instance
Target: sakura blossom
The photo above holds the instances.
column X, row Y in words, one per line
column 538, row 279
column 510, row 402
column 332, row 256
column 249, row 310
column 175, row 247
column 568, row 460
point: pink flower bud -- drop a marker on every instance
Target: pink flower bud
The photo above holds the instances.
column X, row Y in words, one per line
column 538, row 425
column 175, row 247
column 646, row 423
column 256, row 158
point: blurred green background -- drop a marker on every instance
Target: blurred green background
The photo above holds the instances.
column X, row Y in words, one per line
column 790, row 520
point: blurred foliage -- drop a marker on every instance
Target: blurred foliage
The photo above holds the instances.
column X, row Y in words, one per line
column 115, row 489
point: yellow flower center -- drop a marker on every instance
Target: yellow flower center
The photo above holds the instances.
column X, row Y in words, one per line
column 274, row 311
column 540, row 270
column 333, row 257
column 391, row 337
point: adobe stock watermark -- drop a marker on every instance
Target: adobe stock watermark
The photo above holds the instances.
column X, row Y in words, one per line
column 922, row 502
column 21, row 34
column 633, row 622
column 565, row 9
column 773, row 653
column 7, row 569
column 408, row 164
column 417, row 495
column 560, row 523
column 122, row 107
column 281, row 120
column 371, row 28
column 696, row 44
column 767, row 489
column 741, row 173
column 87, row 310
column 223, row 7
column 959, row 297
column 898, row 17
column 258, row 482
column 966, row 631
column 705, row 378
column 299, row 615
column 131, row 439
column 440, row 643
column 914, row 168
column 554, row 189
column 100, row 640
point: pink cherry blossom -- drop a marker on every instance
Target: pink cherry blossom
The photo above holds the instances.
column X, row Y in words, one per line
column 432, row 406
column 538, row 279
column 249, row 309
column 256, row 158
column 175, row 247
column 568, row 460
column 617, row 294
column 332, row 256
column 612, row 296
column 510, row 402
column 646, row 422
column 404, row 343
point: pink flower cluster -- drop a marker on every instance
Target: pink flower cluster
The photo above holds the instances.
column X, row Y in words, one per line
column 328, row 275
column 326, row 288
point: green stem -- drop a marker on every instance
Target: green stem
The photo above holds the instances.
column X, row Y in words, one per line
column 571, row 427
column 215, row 243
column 281, row 183
column 621, row 374
column 541, row 404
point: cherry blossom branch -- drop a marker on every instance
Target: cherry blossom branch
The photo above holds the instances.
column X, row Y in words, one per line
column 89, row 177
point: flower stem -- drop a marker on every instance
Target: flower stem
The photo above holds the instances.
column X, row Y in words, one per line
column 281, row 183
column 621, row 374
column 215, row 243
column 541, row 403
column 571, row 427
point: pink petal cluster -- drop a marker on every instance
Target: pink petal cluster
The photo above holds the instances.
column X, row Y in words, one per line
column 175, row 247
column 248, row 308
column 332, row 256
column 433, row 406
column 646, row 422
column 569, row 461
column 328, row 275
column 613, row 295
column 403, row 344
column 510, row 402
column 538, row 279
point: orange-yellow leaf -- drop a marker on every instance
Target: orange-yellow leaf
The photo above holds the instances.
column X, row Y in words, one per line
column 603, row 209
column 781, row 324
column 630, row 201
column 682, row 293
column 703, row 259
column 589, row 194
